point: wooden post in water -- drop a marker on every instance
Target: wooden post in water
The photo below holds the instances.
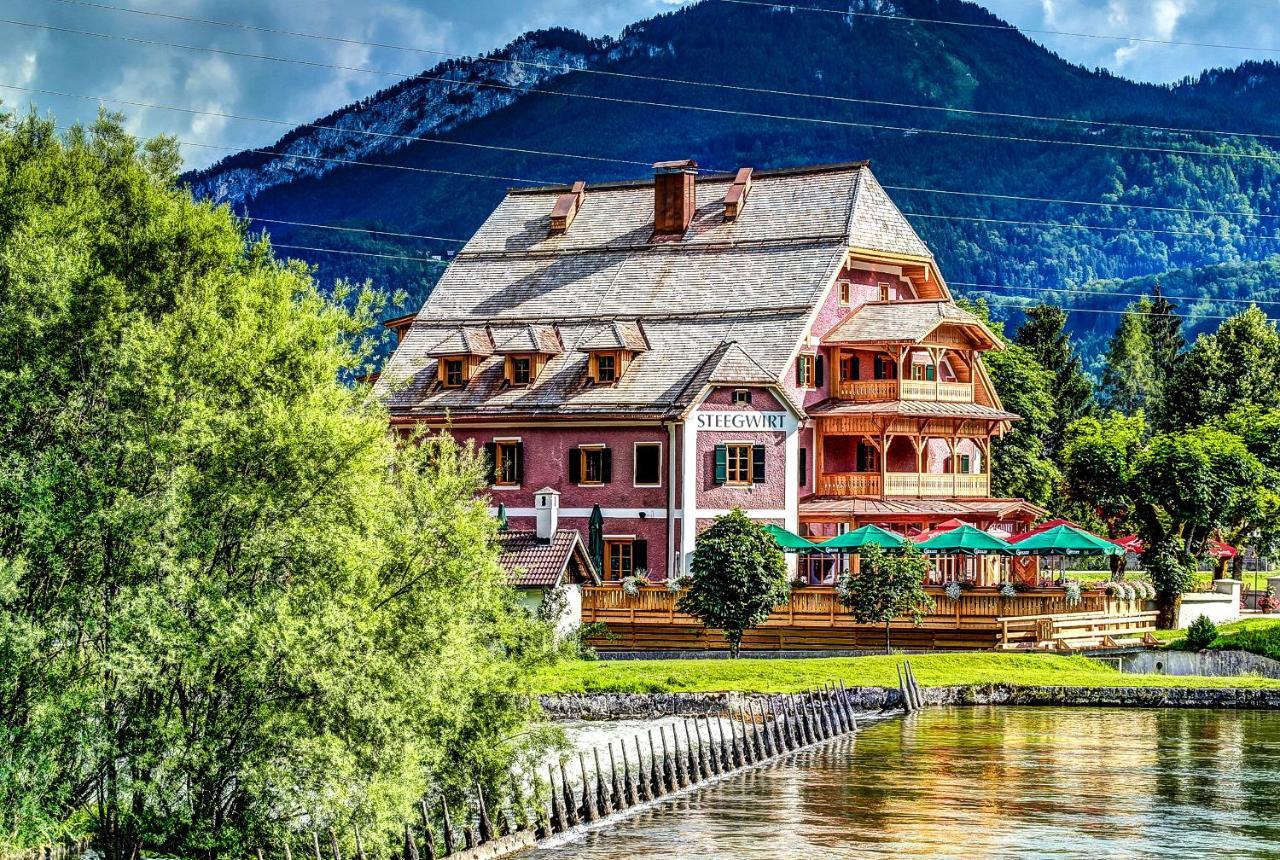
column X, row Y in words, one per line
column 902, row 689
column 749, row 751
column 759, row 737
column 410, row 847
column 588, row 796
column 603, row 806
column 682, row 772
column 468, row 836
column 559, row 819
column 691, row 756
column 446, row 827
column 833, row 708
column 781, row 731
column 656, row 782
column 633, row 794
column 617, row 794
column 713, row 760
column 668, row 766
column 848, row 707
column 829, row 728
column 821, row 715
column 642, row 779
column 802, row 721
column 428, row 838
column 722, row 748
column 570, row 804
column 765, row 738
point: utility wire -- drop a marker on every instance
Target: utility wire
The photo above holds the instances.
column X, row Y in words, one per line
column 661, row 79
column 1066, row 226
column 981, row 26
column 907, row 130
column 368, row 230
column 1108, row 294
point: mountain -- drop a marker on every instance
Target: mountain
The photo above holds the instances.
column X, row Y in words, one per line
column 731, row 84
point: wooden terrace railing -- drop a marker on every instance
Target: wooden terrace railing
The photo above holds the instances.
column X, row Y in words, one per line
column 868, row 390
column 925, row 484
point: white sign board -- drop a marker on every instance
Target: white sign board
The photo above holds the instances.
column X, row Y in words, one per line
column 775, row 421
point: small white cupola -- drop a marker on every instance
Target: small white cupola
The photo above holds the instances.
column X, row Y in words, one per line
column 546, row 504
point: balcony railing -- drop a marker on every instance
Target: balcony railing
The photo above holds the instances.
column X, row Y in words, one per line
column 926, row 484
column 908, row 389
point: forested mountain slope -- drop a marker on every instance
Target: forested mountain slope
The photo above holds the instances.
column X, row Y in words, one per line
column 1174, row 196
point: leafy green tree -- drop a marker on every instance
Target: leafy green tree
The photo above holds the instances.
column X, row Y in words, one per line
column 1045, row 336
column 1098, row 462
column 230, row 605
column 886, row 585
column 1201, row 633
column 739, row 576
column 1238, row 365
column 1020, row 466
column 1129, row 382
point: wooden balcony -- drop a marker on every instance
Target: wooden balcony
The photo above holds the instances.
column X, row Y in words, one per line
column 924, row 485
column 873, row 390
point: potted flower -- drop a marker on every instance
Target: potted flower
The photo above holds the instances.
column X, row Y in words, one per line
column 631, row 585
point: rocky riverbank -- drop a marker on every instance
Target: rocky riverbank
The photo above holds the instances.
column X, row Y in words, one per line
column 620, row 706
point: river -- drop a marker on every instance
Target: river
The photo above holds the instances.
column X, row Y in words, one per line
column 983, row 782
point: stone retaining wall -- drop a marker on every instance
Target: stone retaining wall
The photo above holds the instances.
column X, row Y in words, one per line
column 623, row 706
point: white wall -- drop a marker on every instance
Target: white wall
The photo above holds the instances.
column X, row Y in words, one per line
column 1221, row 606
column 570, row 620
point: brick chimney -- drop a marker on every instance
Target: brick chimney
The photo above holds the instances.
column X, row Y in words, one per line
column 673, row 197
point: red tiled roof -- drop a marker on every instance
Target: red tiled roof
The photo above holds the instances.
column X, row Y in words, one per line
column 531, row 563
column 866, row 507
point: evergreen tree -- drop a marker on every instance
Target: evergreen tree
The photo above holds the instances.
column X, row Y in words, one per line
column 1129, row 381
column 1044, row 335
column 1164, row 329
column 1236, row 366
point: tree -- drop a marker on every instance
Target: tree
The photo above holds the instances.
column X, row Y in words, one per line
column 1129, row 381
column 230, row 604
column 1045, row 336
column 1098, row 463
column 739, row 576
column 1238, row 365
column 1164, row 329
column 885, row 586
column 1020, row 466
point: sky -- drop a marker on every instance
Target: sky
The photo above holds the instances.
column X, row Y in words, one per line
column 85, row 68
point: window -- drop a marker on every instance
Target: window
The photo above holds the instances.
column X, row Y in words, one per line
column 964, row 464
column 454, row 374
column 521, row 369
column 846, row 293
column 805, row 370
column 740, row 464
column 924, row 372
column 648, row 464
column 886, row 368
column 804, row 466
column 619, row 560
column 868, row 461
column 742, row 397
column 606, row 368
column 850, row 368
column 590, row 465
column 506, row 462
column 884, row 291
column 625, row 556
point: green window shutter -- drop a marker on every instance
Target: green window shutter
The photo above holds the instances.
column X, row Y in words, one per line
column 606, row 466
column 800, row 370
column 930, row 372
column 491, row 455
column 722, row 464
column 575, row 466
column 757, row 464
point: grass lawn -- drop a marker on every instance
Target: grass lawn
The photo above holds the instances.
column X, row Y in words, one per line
column 1261, row 635
column 794, row 675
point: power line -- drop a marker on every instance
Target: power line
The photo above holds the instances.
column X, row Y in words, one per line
column 1066, row 226
column 907, row 130
column 662, row 79
column 980, row 26
column 353, row 229
column 1108, row 294
column 427, row 260
column 526, row 151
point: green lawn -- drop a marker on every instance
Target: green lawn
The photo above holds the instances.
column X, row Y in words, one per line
column 1261, row 635
column 794, row 675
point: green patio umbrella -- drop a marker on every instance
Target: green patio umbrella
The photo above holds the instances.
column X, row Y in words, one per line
column 867, row 535
column 1065, row 540
column 595, row 538
column 965, row 540
column 502, row 517
column 790, row 541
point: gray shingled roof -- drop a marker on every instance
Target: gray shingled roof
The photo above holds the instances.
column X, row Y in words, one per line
column 902, row 322
column 913, row 409
column 616, row 334
column 527, row 338
column 464, row 341
column 753, row 280
column 735, row 366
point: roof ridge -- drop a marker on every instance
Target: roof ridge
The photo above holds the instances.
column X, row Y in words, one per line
column 708, row 176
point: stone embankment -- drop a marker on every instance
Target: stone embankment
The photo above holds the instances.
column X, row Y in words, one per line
column 624, row 706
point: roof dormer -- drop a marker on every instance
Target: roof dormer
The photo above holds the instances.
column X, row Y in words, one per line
column 526, row 351
column 460, row 354
column 611, row 349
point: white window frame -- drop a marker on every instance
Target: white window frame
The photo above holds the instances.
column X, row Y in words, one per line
column 634, row 447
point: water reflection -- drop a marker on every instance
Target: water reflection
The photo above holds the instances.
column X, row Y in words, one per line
column 987, row 782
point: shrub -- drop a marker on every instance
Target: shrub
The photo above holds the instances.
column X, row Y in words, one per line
column 954, row 590
column 1201, row 633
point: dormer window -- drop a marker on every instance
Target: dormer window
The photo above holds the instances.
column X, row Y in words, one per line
column 606, row 372
column 846, row 293
column 519, row 369
column 525, row 351
column 884, row 291
column 455, row 371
